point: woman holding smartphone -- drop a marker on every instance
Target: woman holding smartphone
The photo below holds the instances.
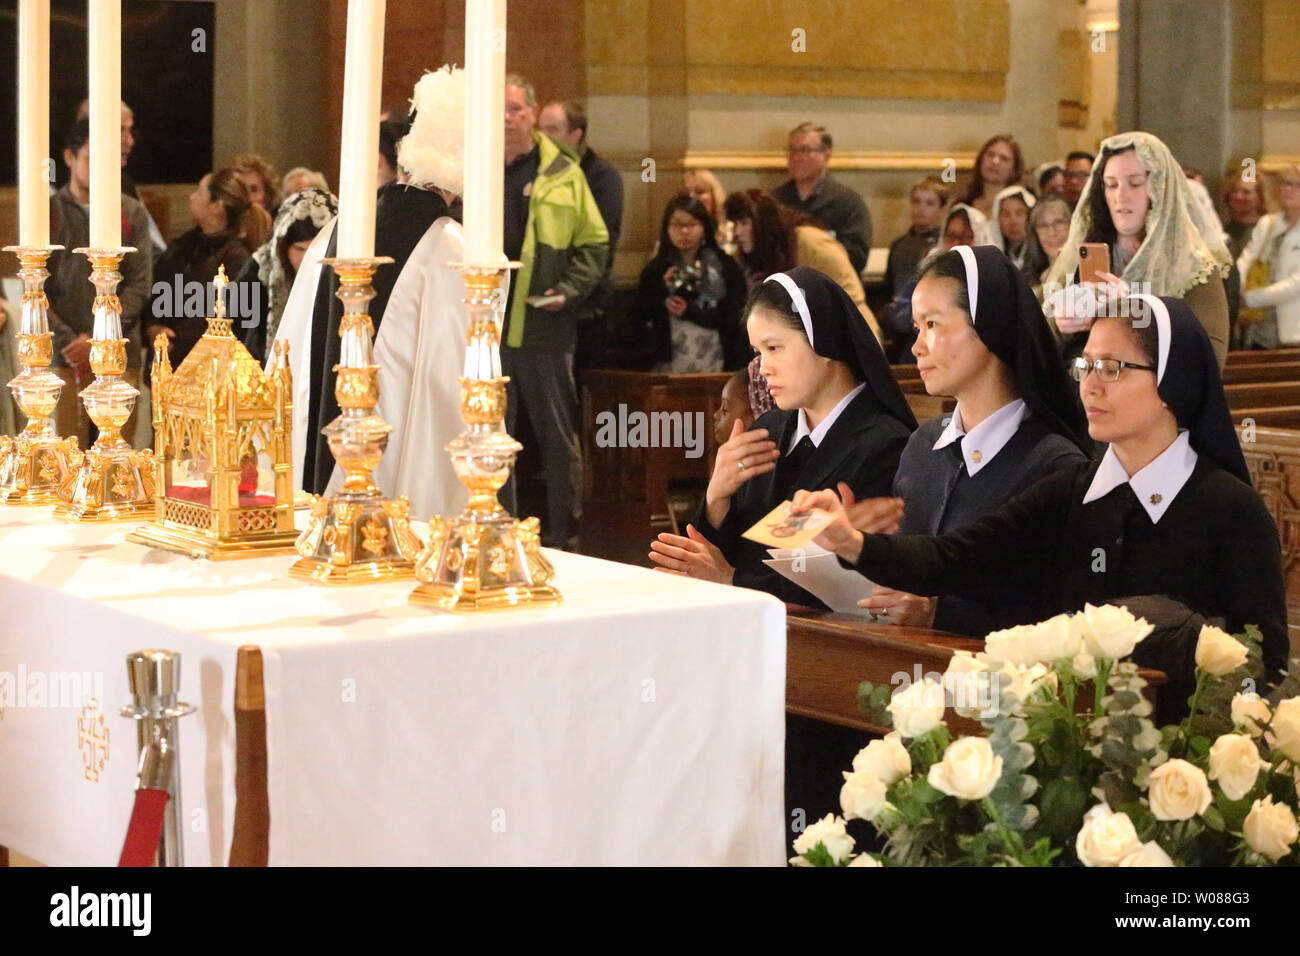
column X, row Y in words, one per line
column 1139, row 218
column 840, row 418
column 1167, row 510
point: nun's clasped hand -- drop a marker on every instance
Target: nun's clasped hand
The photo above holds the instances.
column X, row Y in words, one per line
column 899, row 607
column 693, row 556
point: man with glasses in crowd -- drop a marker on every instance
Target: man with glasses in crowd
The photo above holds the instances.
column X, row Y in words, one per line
column 1078, row 167
column 813, row 191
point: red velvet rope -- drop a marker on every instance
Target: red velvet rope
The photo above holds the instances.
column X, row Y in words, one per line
column 141, row 845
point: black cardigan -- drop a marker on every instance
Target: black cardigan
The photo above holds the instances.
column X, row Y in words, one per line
column 861, row 448
column 939, row 496
column 1215, row 549
column 724, row 319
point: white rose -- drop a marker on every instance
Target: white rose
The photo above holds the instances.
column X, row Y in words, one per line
column 918, row 708
column 1217, row 652
column 1270, row 828
column 1286, row 728
column 1026, row 681
column 968, row 684
column 969, row 769
column 1109, row 631
column 1055, row 638
column 865, row 859
column 1235, row 763
column 1148, row 854
column 1085, row 666
column 862, row 796
column 829, row 832
column 888, row 759
column 1250, row 713
column 1178, row 791
column 1011, row 646
column 1106, row 837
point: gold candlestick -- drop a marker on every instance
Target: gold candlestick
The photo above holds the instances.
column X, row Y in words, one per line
column 35, row 463
column 483, row 559
column 358, row 535
column 112, row 480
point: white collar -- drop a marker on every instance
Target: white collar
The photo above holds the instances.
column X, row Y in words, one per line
column 987, row 438
column 820, row 431
column 1156, row 485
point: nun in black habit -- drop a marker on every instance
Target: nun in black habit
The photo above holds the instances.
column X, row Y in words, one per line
column 982, row 339
column 1167, row 510
column 840, row 417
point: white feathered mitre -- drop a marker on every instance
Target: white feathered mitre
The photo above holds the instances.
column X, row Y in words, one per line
column 433, row 152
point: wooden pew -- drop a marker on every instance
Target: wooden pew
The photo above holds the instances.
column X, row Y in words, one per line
column 1278, row 416
column 829, row 654
column 1273, row 458
column 1262, row 394
column 1263, row 356
column 625, row 490
column 1265, row 372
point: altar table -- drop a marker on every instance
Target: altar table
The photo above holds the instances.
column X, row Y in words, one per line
column 641, row 722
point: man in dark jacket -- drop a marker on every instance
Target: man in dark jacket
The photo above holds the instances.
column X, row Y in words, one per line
column 565, row 121
column 552, row 225
column 812, row 190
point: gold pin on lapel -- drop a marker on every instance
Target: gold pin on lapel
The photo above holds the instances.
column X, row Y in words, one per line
column 976, row 455
column 1156, row 499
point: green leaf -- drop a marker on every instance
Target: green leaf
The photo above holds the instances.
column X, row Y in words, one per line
column 924, row 792
column 1117, row 788
column 1144, row 821
column 1213, row 819
column 1198, row 746
column 819, row 856
column 1062, row 806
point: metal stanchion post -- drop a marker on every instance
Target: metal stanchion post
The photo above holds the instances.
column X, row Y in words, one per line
column 155, row 678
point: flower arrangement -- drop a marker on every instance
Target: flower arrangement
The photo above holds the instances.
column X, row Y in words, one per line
column 1053, row 782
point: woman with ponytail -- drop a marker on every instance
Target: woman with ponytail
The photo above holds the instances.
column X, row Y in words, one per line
column 228, row 227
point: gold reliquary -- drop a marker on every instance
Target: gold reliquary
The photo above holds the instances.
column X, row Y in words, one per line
column 222, row 447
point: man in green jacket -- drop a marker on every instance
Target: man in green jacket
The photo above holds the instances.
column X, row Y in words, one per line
column 553, row 227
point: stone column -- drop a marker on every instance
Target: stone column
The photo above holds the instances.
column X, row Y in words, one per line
column 1189, row 73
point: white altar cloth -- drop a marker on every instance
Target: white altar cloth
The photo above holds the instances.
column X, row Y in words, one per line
column 642, row 722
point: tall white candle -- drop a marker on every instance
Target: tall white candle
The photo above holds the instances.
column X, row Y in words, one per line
column 363, row 72
column 485, row 112
column 33, row 122
column 105, row 42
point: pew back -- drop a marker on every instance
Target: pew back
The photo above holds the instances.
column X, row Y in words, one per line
column 1273, row 458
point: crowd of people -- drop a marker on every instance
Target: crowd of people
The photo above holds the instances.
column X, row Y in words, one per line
column 780, row 274
column 1091, row 455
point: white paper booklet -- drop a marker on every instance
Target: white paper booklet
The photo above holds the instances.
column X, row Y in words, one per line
column 819, row 572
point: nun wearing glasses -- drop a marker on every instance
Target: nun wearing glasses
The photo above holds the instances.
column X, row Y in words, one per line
column 1167, row 510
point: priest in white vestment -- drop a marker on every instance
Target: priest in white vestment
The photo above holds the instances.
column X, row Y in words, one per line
column 419, row 316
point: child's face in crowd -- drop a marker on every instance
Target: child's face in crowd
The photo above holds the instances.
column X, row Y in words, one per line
column 735, row 404
column 1013, row 219
column 926, row 210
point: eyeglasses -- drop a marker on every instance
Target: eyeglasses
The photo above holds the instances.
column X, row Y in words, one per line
column 1107, row 370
